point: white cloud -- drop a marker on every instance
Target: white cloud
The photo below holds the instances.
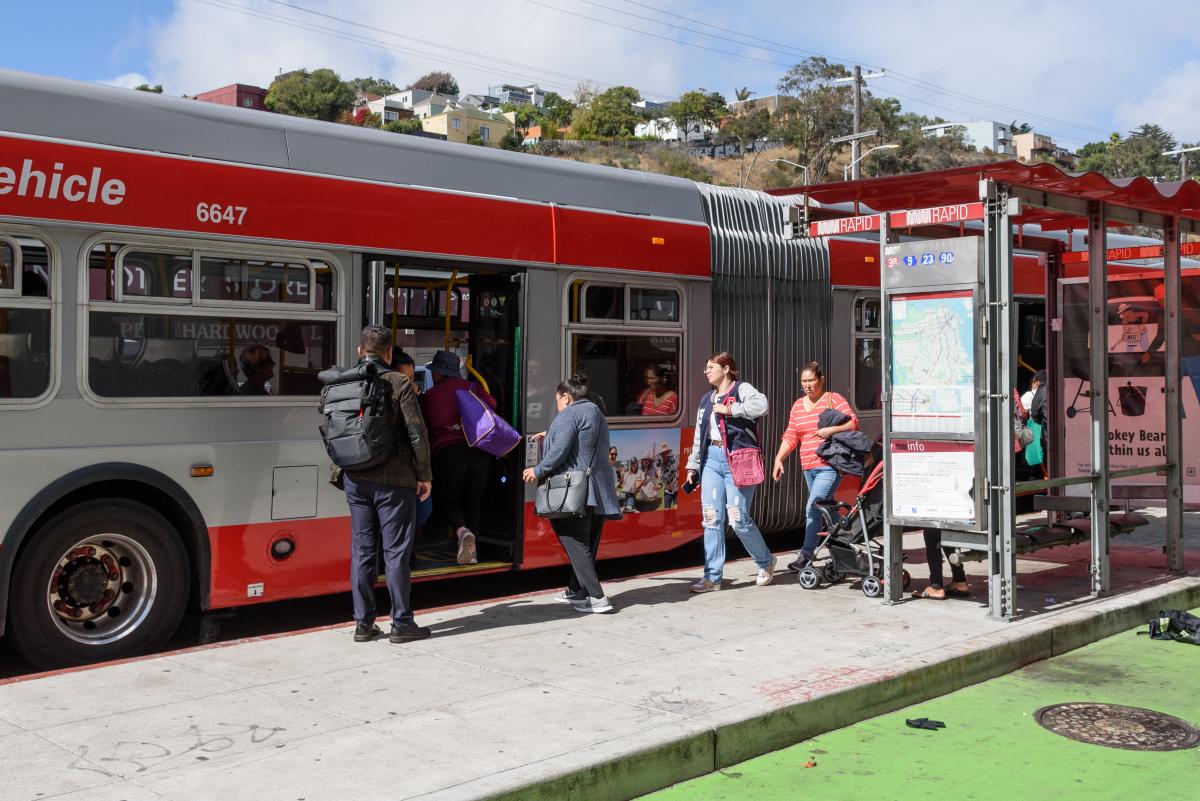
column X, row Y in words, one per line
column 1173, row 103
column 129, row 80
column 1056, row 65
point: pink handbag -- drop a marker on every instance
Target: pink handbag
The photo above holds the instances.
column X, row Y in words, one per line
column 745, row 464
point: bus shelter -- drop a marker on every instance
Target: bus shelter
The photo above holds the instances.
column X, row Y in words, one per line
column 947, row 240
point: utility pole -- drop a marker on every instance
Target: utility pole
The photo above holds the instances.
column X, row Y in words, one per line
column 1182, row 153
column 858, row 79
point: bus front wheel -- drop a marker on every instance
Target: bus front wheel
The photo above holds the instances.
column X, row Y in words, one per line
column 102, row 580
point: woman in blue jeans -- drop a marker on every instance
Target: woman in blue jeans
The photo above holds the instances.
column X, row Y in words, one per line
column 725, row 422
column 804, row 433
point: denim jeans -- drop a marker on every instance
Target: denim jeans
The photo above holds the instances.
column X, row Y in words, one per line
column 723, row 500
column 821, row 481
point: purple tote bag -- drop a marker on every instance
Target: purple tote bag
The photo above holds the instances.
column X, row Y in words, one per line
column 483, row 428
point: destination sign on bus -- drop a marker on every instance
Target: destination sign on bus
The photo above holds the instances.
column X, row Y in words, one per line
column 937, row 215
column 845, row 225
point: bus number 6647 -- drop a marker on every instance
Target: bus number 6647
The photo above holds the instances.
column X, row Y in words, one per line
column 218, row 213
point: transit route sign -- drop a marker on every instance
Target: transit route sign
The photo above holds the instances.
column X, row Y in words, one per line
column 937, row 215
column 845, row 225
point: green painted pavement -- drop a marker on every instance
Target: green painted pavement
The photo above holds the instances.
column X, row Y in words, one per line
column 992, row 748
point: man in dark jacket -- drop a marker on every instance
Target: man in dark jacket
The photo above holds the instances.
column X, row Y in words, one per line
column 383, row 502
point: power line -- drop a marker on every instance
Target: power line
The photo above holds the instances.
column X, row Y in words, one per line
column 390, row 47
column 900, row 76
column 656, row 35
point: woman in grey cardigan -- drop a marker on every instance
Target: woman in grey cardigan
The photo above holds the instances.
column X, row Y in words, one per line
column 578, row 439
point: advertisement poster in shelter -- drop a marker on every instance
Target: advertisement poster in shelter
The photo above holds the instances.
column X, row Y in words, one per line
column 1135, row 341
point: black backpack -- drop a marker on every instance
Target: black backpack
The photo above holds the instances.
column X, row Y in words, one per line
column 354, row 403
column 1175, row 624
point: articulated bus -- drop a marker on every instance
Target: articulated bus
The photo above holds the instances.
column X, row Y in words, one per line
column 173, row 276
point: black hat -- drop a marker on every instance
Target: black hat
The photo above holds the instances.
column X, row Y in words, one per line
column 445, row 363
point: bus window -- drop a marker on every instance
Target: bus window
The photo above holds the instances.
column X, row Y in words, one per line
column 868, row 356
column 654, row 305
column 155, row 275
column 604, row 302
column 134, row 354
column 24, row 318
column 254, row 281
column 139, row 349
column 618, row 366
column 8, row 266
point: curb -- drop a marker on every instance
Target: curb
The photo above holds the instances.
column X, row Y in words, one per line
column 909, row 681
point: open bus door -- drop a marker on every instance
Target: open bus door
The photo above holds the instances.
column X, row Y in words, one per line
column 494, row 345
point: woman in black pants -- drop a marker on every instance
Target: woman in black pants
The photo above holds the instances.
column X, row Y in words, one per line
column 933, row 555
column 577, row 440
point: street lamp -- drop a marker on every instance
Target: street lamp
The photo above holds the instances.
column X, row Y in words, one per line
column 794, row 164
column 1182, row 153
column 846, row 169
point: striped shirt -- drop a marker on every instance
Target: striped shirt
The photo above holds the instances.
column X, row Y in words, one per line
column 801, row 431
column 667, row 405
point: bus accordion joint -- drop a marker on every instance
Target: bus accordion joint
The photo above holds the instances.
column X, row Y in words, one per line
column 202, row 471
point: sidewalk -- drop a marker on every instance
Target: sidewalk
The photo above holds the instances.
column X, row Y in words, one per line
column 525, row 698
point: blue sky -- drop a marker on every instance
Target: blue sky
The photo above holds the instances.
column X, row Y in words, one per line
column 1075, row 70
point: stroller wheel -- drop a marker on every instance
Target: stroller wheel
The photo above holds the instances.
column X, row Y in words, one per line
column 871, row 587
column 831, row 573
column 906, row 579
column 809, row 579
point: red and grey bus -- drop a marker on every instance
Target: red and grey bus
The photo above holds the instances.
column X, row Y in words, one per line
column 158, row 254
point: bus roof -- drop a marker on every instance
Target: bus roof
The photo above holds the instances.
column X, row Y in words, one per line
column 42, row 106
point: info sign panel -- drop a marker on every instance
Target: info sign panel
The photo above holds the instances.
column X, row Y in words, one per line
column 933, row 481
column 932, row 415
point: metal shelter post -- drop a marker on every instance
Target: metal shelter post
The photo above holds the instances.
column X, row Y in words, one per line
column 1000, row 359
column 1098, row 372
column 893, row 536
column 1172, row 287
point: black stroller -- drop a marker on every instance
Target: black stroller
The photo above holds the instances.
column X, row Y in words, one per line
column 852, row 540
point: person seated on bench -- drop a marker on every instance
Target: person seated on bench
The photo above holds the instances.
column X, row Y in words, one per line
column 959, row 588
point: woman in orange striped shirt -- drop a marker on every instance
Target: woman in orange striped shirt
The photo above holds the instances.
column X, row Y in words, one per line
column 802, row 432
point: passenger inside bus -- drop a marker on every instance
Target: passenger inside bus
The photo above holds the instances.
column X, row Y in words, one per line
column 658, row 398
column 258, row 367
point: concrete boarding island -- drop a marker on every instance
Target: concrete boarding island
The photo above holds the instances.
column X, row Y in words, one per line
column 525, row 698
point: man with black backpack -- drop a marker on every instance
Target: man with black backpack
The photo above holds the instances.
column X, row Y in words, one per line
column 384, row 479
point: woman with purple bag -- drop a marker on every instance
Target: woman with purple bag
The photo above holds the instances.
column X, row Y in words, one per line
column 460, row 470
column 727, row 461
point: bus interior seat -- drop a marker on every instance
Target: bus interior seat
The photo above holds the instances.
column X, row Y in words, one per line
column 167, row 366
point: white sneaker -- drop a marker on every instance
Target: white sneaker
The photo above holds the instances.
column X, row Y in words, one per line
column 565, row 597
column 766, row 574
column 466, row 547
column 598, row 605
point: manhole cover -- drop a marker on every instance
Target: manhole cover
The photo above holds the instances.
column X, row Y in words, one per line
column 1119, row 726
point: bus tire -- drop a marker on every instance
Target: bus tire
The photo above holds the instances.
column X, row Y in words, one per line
column 103, row 580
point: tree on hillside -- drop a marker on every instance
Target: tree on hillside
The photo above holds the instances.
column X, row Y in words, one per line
column 318, row 95
column 743, row 93
column 512, row 140
column 697, row 106
column 557, row 109
column 813, row 112
column 1138, row 153
column 585, row 92
column 609, row 116
column 440, row 82
column 411, row 125
column 373, row 86
column 746, row 129
column 145, row 87
column 1019, row 127
column 524, row 116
